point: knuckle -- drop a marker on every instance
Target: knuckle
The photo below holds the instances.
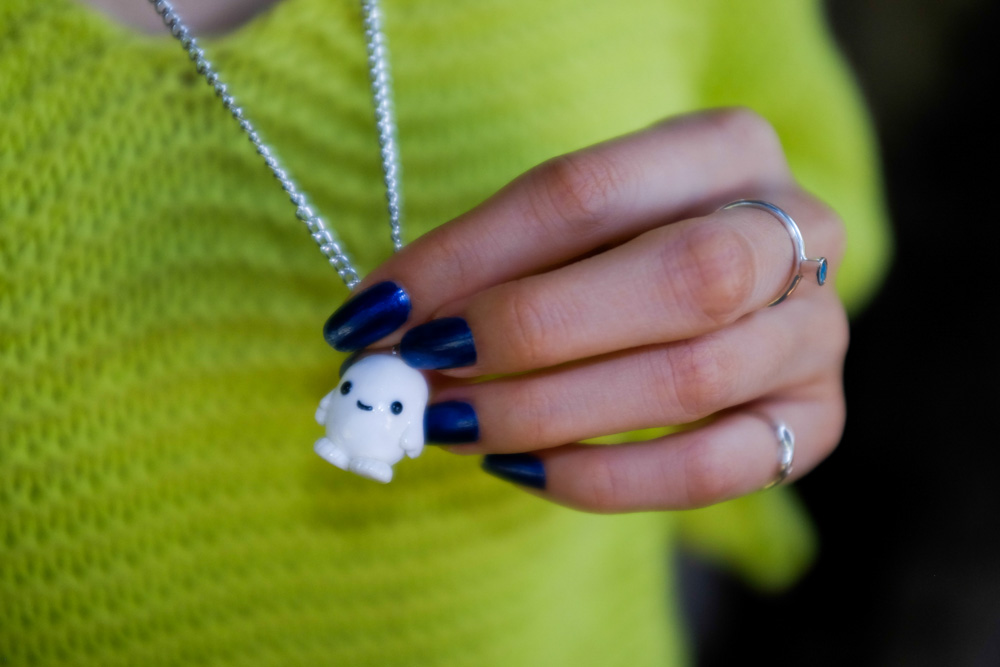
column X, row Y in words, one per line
column 462, row 255
column 535, row 412
column 664, row 383
column 822, row 227
column 748, row 129
column 601, row 489
column 579, row 191
column 525, row 325
column 709, row 475
column 718, row 269
column 703, row 372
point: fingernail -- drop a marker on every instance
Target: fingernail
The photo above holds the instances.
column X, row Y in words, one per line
column 444, row 343
column 367, row 317
column 523, row 469
column 451, row 423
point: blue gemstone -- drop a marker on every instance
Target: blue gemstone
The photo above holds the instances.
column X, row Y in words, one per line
column 821, row 271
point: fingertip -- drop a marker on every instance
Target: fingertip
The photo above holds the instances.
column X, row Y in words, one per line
column 367, row 317
column 451, row 423
column 440, row 344
column 525, row 470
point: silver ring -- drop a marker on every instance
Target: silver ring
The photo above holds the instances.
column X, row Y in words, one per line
column 803, row 264
column 786, row 449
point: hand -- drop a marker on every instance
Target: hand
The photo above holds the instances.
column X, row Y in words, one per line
column 614, row 295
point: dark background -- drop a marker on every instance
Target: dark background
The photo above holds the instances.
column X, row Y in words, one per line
column 908, row 506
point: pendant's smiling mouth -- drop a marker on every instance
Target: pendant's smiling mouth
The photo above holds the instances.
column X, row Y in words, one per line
column 364, row 407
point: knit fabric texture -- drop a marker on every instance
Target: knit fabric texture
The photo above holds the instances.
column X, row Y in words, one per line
column 161, row 307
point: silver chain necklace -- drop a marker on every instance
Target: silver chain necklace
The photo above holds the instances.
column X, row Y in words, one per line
column 378, row 69
column 371, row 429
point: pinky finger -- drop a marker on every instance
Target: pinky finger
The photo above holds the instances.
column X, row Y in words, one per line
column 736, row 454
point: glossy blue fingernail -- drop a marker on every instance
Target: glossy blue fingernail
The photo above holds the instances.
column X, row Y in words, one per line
column 367, row 317
column 444, row 343
column 451, row 423
column 523, row 469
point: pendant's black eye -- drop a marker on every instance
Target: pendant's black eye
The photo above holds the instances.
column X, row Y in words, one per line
column 345, row 388
column 396, row 407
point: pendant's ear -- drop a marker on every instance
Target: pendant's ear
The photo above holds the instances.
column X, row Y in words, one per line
column 324, row 407
column 412, row 440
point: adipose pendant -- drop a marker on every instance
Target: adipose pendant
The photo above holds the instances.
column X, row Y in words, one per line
column 374, row 417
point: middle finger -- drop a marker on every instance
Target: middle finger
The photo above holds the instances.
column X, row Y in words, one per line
column 672, row 283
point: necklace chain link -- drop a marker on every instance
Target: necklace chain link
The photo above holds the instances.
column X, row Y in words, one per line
column 381, row 81
column 385, row 117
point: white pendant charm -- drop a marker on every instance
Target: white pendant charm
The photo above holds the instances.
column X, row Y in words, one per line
column 374, row 417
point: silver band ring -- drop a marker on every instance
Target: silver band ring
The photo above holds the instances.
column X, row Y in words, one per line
column 802, row 264
column 786, row 448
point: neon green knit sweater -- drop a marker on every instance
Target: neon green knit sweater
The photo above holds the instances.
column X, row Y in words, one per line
column 160, row 315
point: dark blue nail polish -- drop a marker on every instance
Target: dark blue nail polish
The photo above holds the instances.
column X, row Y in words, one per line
column 523, row 469
column 444, row 343
column 367, row 317
column 451, row 423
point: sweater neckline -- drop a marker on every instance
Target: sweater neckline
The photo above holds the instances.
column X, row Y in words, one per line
column 93, row 18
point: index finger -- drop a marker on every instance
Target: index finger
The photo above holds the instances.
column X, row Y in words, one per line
column 568, row 207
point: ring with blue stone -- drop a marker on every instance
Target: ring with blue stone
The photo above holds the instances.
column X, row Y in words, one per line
column 803, row 264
